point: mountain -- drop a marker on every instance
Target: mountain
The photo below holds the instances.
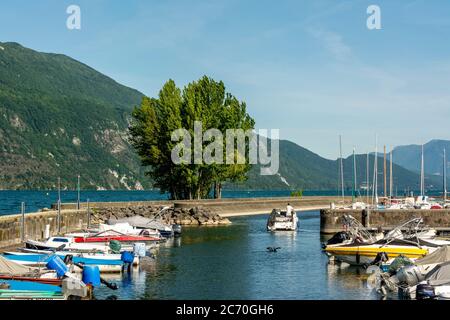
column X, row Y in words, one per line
column 303, row 169
column 409, row 156
column 59, row 117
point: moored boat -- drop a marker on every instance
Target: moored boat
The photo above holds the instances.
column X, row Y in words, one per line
column 281, row 221
column 41, row 260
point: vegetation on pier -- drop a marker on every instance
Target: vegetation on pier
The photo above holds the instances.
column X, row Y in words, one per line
column 156, row 119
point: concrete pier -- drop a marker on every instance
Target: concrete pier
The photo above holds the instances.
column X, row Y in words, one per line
column 330, row 219
column 35, row 224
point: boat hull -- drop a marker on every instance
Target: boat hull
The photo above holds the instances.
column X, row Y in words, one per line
column 363, row 255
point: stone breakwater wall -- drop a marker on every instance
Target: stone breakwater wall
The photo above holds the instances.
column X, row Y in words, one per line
column 225, row 207
column 197, row 216
column 330, row 219
column 35, row 225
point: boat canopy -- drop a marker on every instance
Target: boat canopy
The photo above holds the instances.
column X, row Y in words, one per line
column 440, row 255
column 439, row 275
column 12, row 268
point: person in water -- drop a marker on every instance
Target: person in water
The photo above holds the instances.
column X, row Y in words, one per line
column 289, row 210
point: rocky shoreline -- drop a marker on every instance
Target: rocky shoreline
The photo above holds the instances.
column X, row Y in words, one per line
column 196, row 216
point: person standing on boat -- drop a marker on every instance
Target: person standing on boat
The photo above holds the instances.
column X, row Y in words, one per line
column 289, row 210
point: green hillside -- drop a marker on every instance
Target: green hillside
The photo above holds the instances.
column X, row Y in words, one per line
column 59, row 117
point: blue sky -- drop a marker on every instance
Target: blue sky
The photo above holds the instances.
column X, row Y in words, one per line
column 310, row 68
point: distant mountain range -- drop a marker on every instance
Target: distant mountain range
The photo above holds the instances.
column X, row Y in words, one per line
column 61, row 118
column 303, row 169
column 409, row 156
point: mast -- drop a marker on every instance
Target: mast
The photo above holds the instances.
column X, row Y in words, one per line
column 422, row 175
column 354, row 175
column 391, row 175
column 375, row 174
column 367, row 177
column 341, row 168
column 384, row 173
column 445, row 176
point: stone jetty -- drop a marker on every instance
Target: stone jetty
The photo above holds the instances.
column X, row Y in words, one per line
column 195, row 216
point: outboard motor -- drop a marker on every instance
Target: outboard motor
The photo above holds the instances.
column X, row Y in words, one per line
column 57, row 264
column 176, row 230
column 425, row 292
column 68, row 259
column 411, row 275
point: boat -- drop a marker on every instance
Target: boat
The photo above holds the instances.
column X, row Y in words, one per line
column 94, row 255
column 417, row 279
column 357, row 246
column 41, row 260
column 139, row 222
column 110, row 235
column 156, row 223
column 119, row 228
column 9, row 294
column 18, row 281
column 69, row 244
column 279, row 221
column 10, row 270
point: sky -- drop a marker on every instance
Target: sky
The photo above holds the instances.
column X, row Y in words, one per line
column 309, row 68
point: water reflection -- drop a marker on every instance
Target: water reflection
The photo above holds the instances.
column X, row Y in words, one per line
column 232, row 262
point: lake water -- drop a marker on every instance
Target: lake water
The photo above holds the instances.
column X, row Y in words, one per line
column 10, row 201
column 231, row 262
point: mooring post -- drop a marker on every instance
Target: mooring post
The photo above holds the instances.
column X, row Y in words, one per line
column 59, row 207
column 22, row 230
column 88, row 214
column 78, row 191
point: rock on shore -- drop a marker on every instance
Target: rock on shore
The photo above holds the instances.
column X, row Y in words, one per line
column 196, row 216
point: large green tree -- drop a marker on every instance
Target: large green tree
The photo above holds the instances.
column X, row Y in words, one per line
column 156, row 119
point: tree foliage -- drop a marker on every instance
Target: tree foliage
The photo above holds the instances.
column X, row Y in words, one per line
column 155, row 119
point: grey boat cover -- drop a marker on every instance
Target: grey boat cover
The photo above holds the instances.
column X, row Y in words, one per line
column 440, row 255
column 12, row 268
column 141, row 222
column 439, row 275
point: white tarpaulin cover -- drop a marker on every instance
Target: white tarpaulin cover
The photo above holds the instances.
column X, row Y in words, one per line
column 440, row 275
column 440, row 255
column 8, row 267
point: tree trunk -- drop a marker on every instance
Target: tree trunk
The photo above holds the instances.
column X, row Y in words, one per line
column 217, row 190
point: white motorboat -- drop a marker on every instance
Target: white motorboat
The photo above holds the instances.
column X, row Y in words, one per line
column 69, row 244
column 122, row 228
column 279, row 221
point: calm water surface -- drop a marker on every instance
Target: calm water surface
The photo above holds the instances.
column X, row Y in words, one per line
column 232, row 262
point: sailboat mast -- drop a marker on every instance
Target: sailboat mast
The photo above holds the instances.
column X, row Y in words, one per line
column 445, row 176
column 384, row 173
column 354, row 174
column 341, row 168
column 375, row 174
column 422, row 175
column 367, row 177
column 391, row 175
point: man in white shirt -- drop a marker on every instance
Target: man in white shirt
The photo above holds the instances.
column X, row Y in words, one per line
column 289, row 210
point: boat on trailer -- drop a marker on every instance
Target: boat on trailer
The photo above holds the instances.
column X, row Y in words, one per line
column 279, row 221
